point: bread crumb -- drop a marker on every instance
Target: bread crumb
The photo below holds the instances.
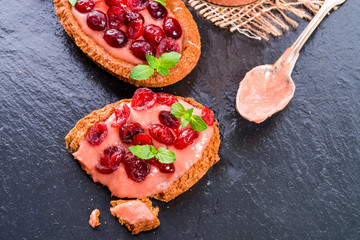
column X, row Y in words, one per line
column 94, row 218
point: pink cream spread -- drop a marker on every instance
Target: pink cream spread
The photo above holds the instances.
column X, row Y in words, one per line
column 265, row 90
column 94, row 218
column 118, row 182
column 134, row 212
column 124, row 52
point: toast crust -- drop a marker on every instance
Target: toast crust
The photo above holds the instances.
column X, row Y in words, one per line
column 144, row 226
column 188, row 179
column 191, row 47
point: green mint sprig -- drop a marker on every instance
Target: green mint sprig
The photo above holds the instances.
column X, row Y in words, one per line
column 161, row 2
column 161, row 65
column 186, row 117
column 145, row 152
column 73, row 2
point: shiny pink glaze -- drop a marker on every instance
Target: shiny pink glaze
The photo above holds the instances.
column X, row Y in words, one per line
column 134, row 212
column 120, row 53
column 118, row 182
column 94, row 218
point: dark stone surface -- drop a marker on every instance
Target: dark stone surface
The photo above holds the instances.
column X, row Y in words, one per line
column 296, row 176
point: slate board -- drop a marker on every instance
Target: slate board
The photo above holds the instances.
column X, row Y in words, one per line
column 296, row 176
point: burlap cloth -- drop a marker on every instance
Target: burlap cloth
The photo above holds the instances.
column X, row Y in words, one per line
column 260, row 19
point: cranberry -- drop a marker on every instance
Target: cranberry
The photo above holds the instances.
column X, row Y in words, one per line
column 168, row 45
column 135, row 29
column 133, row 16
column 166, row 99
column 97, row 133
column 96, row 20
column 153, row 34
column 138, row 5
column 142, row 139
column 208, row 116
column 161, row 133
column 186, row 138
column 169, row 120
column 115, row 38
column 163, row 167
column 85, row 6
column 143, row 99
column 110, row 159
column 116, row 17
column 136, row 168
column 117, row 3
column 140, row 48
column 156, row 10
column 172, row 28
column 129, row 130
column 121, row 116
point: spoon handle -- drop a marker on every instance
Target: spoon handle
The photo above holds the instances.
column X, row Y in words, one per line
column 304, row 36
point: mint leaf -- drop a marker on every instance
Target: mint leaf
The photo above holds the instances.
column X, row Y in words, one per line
column 169, row 60
column 73, row 2
column 184, row 122
column 177, row 109
column 161, row 2
column 197, row 123
column 153, row 61
column 143, row 151
column 162, row 70
column 141, row 72
column 188, row 114
column 165, row 155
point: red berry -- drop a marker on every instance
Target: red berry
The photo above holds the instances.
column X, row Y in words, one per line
column 121, row 116
column 129, row 130
column 133, row 16
column 153, row 34
column 142, row 139
column 143, row 99
column 186, row 138
column 97, row 133
column 208, row 116
column 172, row 28
column 96, row 20
column 138, row 5
column 135, row 29
column 161, row 133
column 116, row 17
column 85, row 6
column 168, row 45
column 115, row 38
column 140, row 48
column 110, row 159
column 163, row 167
column 168, row 119
column 117, row 3
column 156, row 10
column 166, row 99
column 136, row 168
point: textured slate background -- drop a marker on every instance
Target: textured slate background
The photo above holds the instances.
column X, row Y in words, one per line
column 296, row 176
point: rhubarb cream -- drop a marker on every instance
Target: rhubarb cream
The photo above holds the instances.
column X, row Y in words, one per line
column 118, row 182
column 133, row 212
column 124, row 52
column 266, row 90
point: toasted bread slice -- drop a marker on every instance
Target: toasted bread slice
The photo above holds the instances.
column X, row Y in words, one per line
column 140, row 225
column 191, row 47
column 188, row 179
